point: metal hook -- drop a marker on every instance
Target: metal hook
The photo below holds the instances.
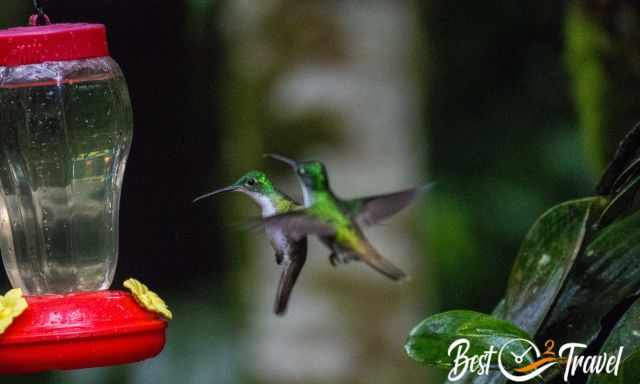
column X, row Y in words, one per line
column 38, row 8
column 39, row 18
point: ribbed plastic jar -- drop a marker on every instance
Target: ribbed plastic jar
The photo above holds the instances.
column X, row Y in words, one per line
column 65, row 133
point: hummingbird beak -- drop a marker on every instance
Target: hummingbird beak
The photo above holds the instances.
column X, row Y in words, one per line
column 286, row 160
column 225, row 189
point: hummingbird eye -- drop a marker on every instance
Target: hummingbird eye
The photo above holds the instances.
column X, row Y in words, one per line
column 251, row 182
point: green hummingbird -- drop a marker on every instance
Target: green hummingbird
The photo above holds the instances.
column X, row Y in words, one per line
column 337, row 222
column 290, row 253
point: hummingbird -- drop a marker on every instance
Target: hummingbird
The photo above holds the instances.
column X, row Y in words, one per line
column 290, row 253
column 337, row 222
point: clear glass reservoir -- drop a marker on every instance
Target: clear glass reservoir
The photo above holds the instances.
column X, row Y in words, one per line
column 65, row 133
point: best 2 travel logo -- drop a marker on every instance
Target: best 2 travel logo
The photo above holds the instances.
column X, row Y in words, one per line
column 529, row 362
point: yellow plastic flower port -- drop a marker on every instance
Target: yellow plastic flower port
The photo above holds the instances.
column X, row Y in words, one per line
column 148, row 299
column 12, row 304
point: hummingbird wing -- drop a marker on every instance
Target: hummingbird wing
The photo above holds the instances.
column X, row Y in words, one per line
column 290, row 272
column 374, row 209
column 299, row 224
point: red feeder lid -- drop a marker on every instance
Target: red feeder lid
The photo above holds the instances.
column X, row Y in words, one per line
column 53, row 42
column 80, row 330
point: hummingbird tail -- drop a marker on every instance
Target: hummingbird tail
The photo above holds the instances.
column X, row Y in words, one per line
column 382, row 265
column 288, row 278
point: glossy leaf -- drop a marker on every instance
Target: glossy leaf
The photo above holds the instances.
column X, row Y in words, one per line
column 621, row 203
column 495, row 376
column 625, row 334
column 630, row 370
column 627, row 175
column 500, row 311
column 623, row 165
column 606, row 272
column 429, row 341
column 544, row 261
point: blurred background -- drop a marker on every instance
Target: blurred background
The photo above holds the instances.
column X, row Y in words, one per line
column 511, row 107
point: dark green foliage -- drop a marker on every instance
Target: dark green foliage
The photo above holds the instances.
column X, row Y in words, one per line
column 607, row 272
column 429, row 341
column 572, row 280
column 545, row 258
column 626, row 333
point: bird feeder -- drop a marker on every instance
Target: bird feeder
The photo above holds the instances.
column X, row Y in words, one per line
column 65, row 133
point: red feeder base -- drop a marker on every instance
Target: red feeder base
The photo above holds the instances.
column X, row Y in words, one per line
column 80, row 330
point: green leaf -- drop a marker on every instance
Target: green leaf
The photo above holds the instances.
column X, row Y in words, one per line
column 605, row 273
column 624, row 166
column 429, row 341
column 627, row 175
column 620, row 204
column 500, row 311
column 625, row 334
column 630, row 370
column 544, row 261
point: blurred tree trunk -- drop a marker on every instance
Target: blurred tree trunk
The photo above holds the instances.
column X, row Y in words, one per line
column 336, row 81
